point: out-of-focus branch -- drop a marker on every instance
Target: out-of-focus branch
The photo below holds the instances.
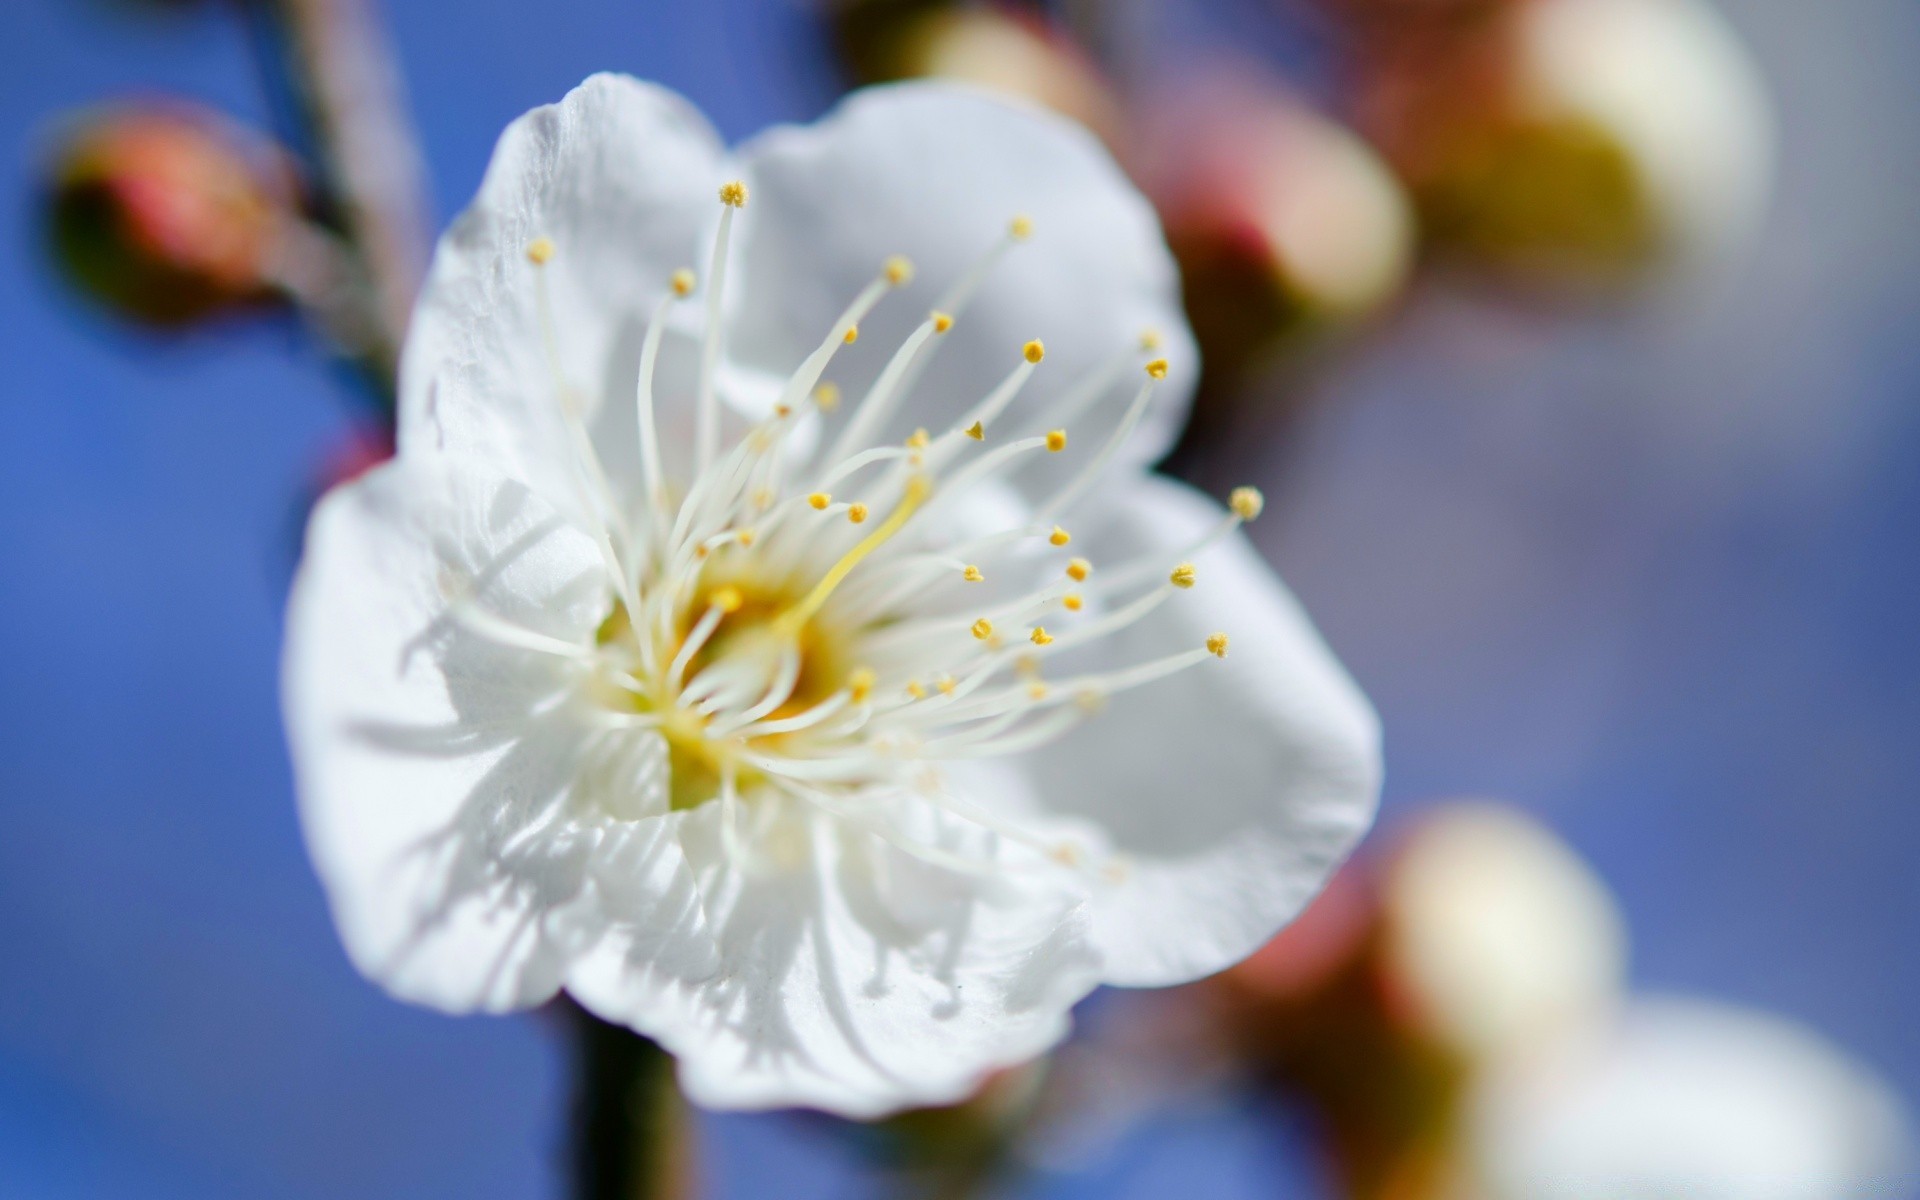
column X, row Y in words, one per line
column 371, row 179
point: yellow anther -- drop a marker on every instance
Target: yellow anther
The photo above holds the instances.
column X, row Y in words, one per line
column 1036, row 690
column 1072, row 602
column 852, row 335
column 826, row 397
column 972, row 574
column 915, row 494
column 1157, row 368
column 727, row 599
column 856, row 512
column 683, row 282
column 1040, row 636
column 733, row 195
column 942, row 322
column 783, row 411
column 899, row 270
column 916, row 690
column 1246, row 502
column 1067, row 854
column 1150, row 340
column 762, row 501
column 820, row 500
column 1078, row 569
column 701, row 551
column 919, row 440
column 1183, row 576
column 1020, row 228
column 860, row 683
column 983, row 629
column 946, row 684
column 540, row 251
column 746, row 535
column 977, row 432
column 1034, row 351
column 1028, row 666
column 1217, row 645
column 1059, row 536
column 1057, row 441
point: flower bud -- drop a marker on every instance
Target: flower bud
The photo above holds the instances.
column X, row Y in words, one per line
column 1475, row 938
column 1014, row 53
column 1281, row 218
column 1578, row 140
column 167, row 213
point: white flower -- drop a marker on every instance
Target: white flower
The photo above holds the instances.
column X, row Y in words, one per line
column 1689, row 1098
column 775, row 734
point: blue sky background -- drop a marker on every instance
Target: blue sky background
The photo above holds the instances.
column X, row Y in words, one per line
column 1650, row 573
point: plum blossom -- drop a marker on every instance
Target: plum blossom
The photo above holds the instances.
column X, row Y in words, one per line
column 768, row 631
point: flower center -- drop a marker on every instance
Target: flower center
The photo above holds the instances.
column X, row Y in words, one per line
column 787, row 646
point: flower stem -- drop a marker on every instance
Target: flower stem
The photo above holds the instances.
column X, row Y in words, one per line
column 630, row 1129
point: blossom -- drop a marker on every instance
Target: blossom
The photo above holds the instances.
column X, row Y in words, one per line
column 1694, row 1098
column 766, row 636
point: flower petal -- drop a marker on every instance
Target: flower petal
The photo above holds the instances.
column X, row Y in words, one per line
column 852, row 977
column 1231, row 790
column 620, row 176
column 936, row 172
column 430, row 759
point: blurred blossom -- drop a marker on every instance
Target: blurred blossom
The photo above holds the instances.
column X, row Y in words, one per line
column 1574, row 139
column 841, row 774
column 1689, row 1098
column 169, row 213
column 1281, row 219
column 1016, row 53
column 1475, row 936
column 1497, row 936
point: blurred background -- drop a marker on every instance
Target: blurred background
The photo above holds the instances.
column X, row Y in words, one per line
column 1573, row 343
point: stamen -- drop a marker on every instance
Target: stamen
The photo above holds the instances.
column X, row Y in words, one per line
column 881, row 397
column 1078, row 569
column 1059, row 537
column 1217, row 645
column 476, row 620
column 643, row 406
column 1057, row 441
column 972, row 574
column 820, row 500
column 1095, row 469
column 1040, row 636
column 982, row 629
column 733, row 197
column 1183, row 576
column 856, row 513
column 1244, row 504
column 696, row 639
column 790, row 622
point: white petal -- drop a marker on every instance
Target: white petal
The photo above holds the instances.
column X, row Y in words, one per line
column 428, row 759
column 1690, row 1098
column 851, row 976
column 1232, row 789
column 621, row 176
column 936, row 172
